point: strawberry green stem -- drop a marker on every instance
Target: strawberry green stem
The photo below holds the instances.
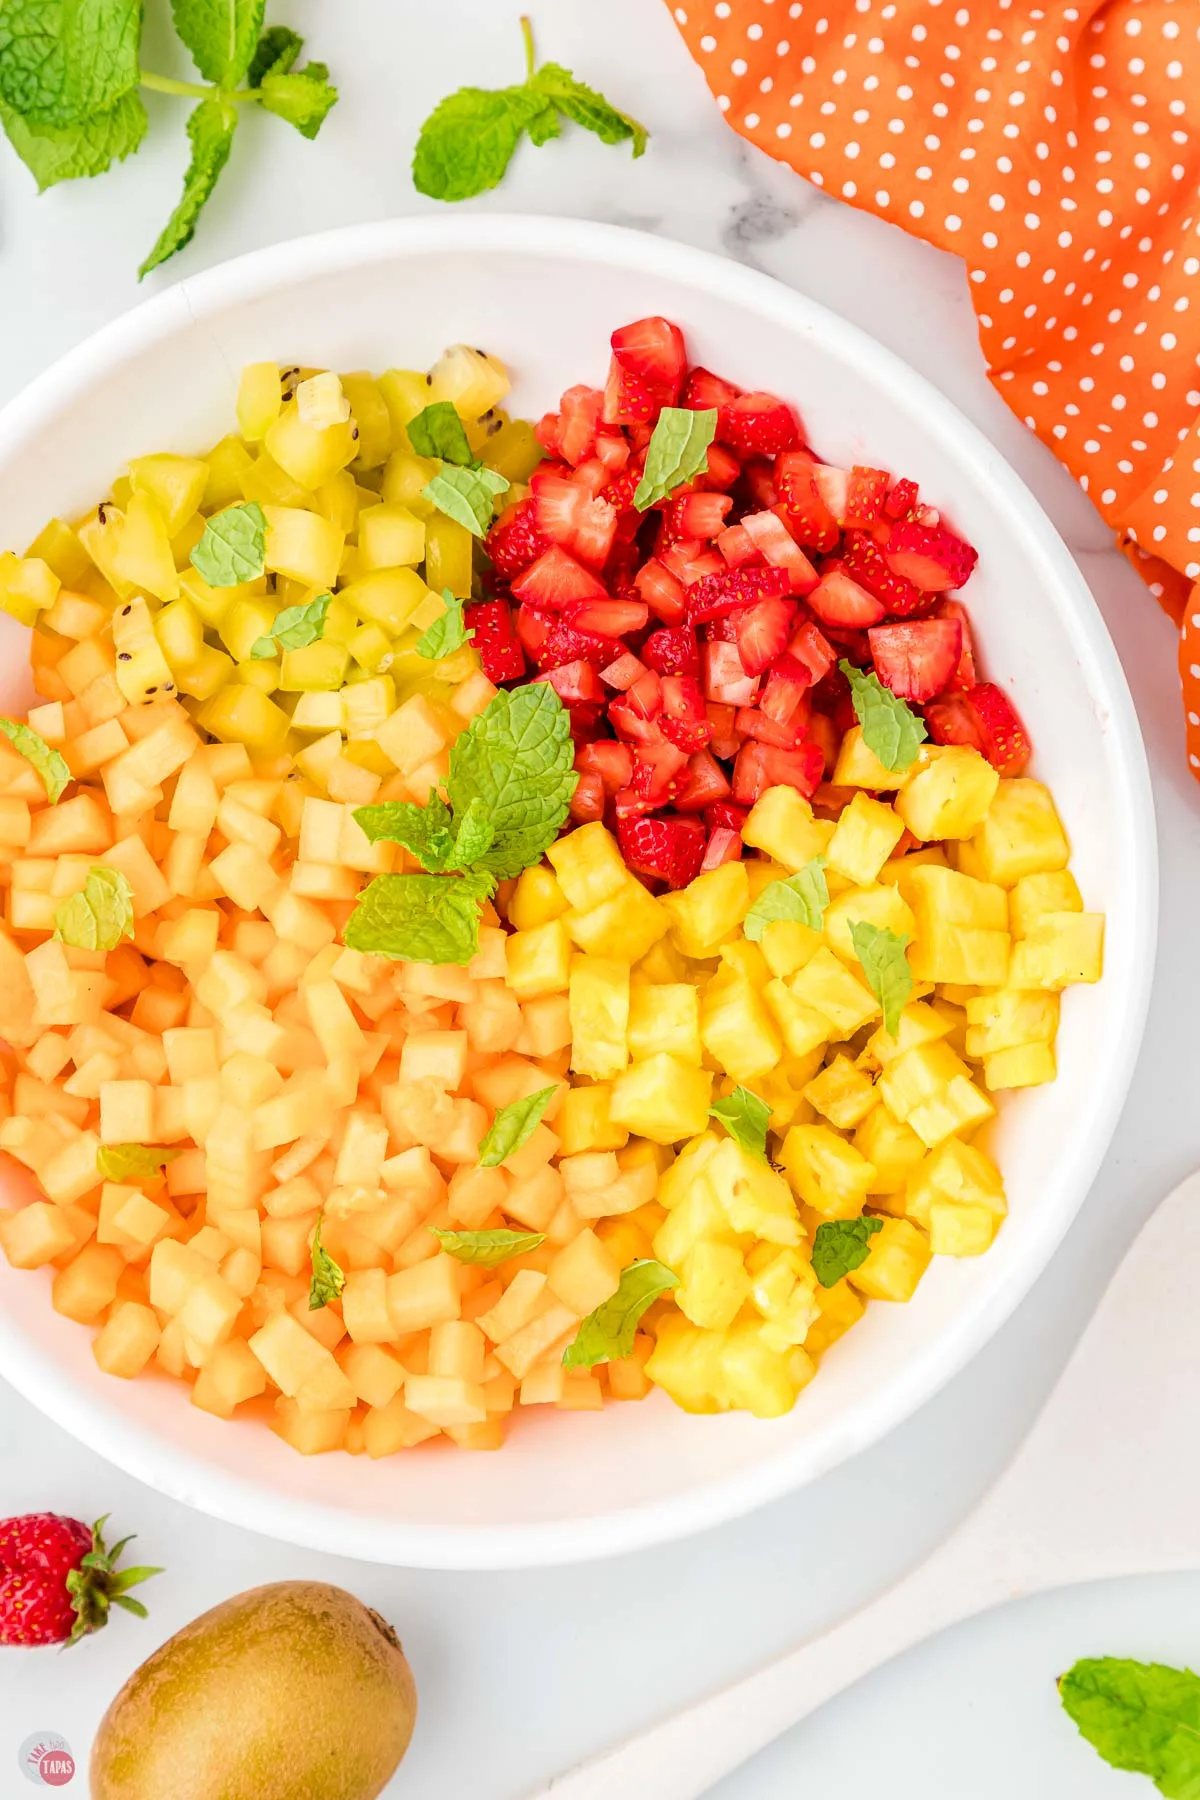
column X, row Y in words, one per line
column 530, row 53
column 97, row 1584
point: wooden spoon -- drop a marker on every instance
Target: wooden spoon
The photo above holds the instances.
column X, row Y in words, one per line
column 1104, row 1485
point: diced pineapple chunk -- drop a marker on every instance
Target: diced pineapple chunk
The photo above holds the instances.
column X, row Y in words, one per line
column 1022, row 834
column 827, row 986
column 827, row 1172
column 960, row 1230
column 626, row 925
column 662, row 1098
column 948, row 792
column 781, row 823
column 709, row 909
column 1033, row 895
column 897, row 1258
column 664, row 1017
column 589, row 866
column 1059, row 950
column 955, row 1174
column 737, row 1030
column 859, row 767
column 842, row 1092
column 599, row 1001
column 867, row 832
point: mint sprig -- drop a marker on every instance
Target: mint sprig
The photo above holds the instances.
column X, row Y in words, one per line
column 468, row 140
column 133, row 1162
column 420, row 918
column 676, row 453
column 100, row 915
column 890, row 728
column 466, row 495
column 1144, row 1717
column 513, row 1126
column 232, row 547
column 294, row 628
column 802, row 898
column 840, row 1246
column 50, row 764
column 487, row 1249
column 609, row 1331
column 447, row 634
column 745, row 1117
column 328, row 1278
column 438, row 431
column 885, row 965
column 71, row 75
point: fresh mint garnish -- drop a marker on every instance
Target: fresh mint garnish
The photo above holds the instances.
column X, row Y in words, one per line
column 232, row 547
column 420, row 918
column 49, row 763
column 517, row 760
column 487, row 1249
column 221, row 35
column 840, row 1246
column 891, row 730
column 132, row 1162
column 328, row 1279
column 100, row 915
column 610, row 1330
column 885, row 966
column 745, row 1117
column 513, row 1126
column 438, row 431
column 468, row 140
column 1144, row 1717
column 294, row 628
column 676, row 453
column 447, row 634
column 802, row 897
column 468, row 496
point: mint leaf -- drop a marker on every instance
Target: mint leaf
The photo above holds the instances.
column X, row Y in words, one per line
column 100, row 915
column 885, row 966
column 425, row 830
column 438, row 431
column 328, row 1279
column 474, row 838
column 584, row 106
column 803, row 897
column 447, row 634
column 62, row 61
column 890, row 728
column 516, row 757
column 1144, row 1717
column 487, row 1249
column 294, row 628
column 276, row 51
column 467, row 142
column 745, row 1117
column 543, row 126
column 419, row 918
column 677, row 451
column 513, row 1126
column 466, row 495
column 840, row 1246
column 132, row 1162
column 222, row 35
column 210, row 131
column 233, row 547
column 50, row 765
column 303, row 97
column 610, row 1330
column 56, row 153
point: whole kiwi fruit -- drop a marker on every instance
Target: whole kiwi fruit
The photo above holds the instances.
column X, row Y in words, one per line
column 294, row 1691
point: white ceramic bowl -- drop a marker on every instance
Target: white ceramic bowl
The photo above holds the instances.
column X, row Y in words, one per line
column 545, row 294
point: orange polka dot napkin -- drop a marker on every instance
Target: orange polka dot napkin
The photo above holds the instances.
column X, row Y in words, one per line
column 1057, row 149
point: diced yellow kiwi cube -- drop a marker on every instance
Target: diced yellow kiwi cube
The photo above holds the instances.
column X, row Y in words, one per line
column 960, row 1230
column 865, row 836
column 303, row 545
column 228, row 463
column 176, row 484
column 1059, row 950
column 259, row 399
column 842, row 1093
column 662, row 1098
column 589, row 866
column 737, row 1029
column 245, row 622
column 371, row 648
column 1022, row 834
column 948, row 792
column 537, row 898
column 309, row 453
column 598, row 992
column 1052, row 892
column 388, row 596
column 180, row 633
column 897, row 1257
column 781, row 823
column 471, row 380
column 27, row 587
column 513, row 451
column 449, row 556
column 406, row 477
column 238, row 714
column 664, row 1017
column 709, row 909
column 314, row 668
column 826, row 1171
column 143, row 557
column 389, row 537
column 1025, row 1065
column 713, row 1285
column 828, row 987
column 371, row 415
column 538, row 961
column 858, row 766
column 60, row 549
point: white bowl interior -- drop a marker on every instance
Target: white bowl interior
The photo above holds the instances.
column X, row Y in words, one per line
column 545, row 295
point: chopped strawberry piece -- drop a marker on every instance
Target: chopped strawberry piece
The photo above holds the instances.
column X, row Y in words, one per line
column 673, row 651
column 683, row 720
column 809, row 518
column 613, row 451
column 930, row 556
column 787, row 695
column 556, row 578
column 610, row 618
column 763, row 631
column 964, row 676
column 833, row 486
column 622, row 673
column 866, row 492
column 532, row 629
column 724, row 678
column 547, row 432
column 801, row 768
column 695, row 516
column 901, row 500
column 726, row 738
column 514, row 541
column 579, row 416
column 953, row 720
column 723, row 846
column 863, row 559
column 1005, row 740
column 587, row 802
column 702, row 391
column 706, row 783
column 750, row 773
column 628, row 400
column 663, row 592
column 916, row 659
column 575, row 683
column 752, row 722
column 657, row 772
column 738, row 547
column 727, row 813
column 612, row 762
column 691, row 560
column 594, row 476
column 722, row 470
column 634, row 716
column 495, row 640
column 776, row 545
column 716, row 595
column 584, row 721
column 759, row 476
column 837, row 600
column 758, row 424
column 567, row 514
column 671, row 849
column 824, row 733
column 811, row 647
column 653, row 351
column 565, row 643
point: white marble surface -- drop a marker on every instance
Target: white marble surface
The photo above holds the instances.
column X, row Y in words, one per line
column 520, row 1674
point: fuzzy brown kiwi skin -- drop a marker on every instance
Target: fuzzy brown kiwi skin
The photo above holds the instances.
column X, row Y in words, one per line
column 291, row 1690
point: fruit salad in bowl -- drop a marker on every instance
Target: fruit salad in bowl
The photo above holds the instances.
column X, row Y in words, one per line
column 512, row 913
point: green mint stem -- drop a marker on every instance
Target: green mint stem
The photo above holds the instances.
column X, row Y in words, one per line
column 530, row 55
column 194, row 90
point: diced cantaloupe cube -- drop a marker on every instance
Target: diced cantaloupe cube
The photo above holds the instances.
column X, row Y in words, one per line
column 88, row 1284
column 425, row 1295
column 128, row 1339
column 232, row 1375
column 375, row 1375
column 35, row 1235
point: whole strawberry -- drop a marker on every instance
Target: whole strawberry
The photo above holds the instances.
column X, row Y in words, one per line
column 58, row 1580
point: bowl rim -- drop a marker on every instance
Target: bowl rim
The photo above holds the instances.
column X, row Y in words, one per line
column 187, row 1477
